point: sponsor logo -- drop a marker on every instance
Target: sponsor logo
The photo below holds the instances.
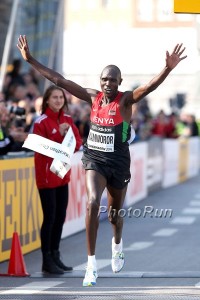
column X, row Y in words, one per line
column 126, row 180
column 112, row 112
column 54, row 130
column 103, row 121
column 101, row 129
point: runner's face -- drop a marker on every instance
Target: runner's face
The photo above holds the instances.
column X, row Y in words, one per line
column 56, row 100
column 109, row 81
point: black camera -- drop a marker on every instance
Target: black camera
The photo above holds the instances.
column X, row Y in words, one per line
column 17, row 110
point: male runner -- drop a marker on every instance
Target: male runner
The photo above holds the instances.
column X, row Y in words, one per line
column 106, row 157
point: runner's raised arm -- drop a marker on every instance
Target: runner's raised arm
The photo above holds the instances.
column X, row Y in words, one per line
column 50, row 74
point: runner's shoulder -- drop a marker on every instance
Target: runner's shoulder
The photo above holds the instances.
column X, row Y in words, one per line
column 126, row 98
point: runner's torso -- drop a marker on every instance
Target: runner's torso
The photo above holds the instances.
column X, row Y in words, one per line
column 108, row 136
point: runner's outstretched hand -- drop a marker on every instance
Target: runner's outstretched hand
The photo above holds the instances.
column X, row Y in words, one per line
column 23, row 47
column 174, row 58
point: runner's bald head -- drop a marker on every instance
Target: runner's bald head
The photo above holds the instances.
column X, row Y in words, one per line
column 114, row 69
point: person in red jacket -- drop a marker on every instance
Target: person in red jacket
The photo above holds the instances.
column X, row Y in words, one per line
column 53, row 125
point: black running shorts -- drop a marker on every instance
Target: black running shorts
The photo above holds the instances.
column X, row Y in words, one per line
column 115, row 178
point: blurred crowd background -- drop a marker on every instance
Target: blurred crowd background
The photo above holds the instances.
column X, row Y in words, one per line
column 20, row 104
column 61, row 36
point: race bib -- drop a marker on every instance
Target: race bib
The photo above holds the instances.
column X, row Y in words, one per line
column 101, row 139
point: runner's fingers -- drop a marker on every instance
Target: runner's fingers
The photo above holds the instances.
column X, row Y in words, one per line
column 181, row 51
column 175, row 48
column 25, row 40
column 20, row 42
column 178, row 48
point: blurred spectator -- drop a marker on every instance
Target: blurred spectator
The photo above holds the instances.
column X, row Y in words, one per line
column 36, row 108
column 171, row 126
column 75, row 112
column 143, row 107
column 145, row 128
column 33, row 114
column 12, row 127
column 4, row 116
column 38, row 105
column 32, row 91
column 5, row 140
column 17, row 132
column 36, row 78
column 181, row 125
column 141, row 121
column 2, row 98
column 29, row 112
column 159, row 125
column 17, row 92
column 32, row 76
column 84, row 124
column 135, row 123
column 191, row 128
column 14, row 77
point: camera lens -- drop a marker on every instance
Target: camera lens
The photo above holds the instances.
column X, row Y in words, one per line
column 19, row 111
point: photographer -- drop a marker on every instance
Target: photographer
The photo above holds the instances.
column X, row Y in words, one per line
column 6, row 141
column 17, row 132
column 12, row 128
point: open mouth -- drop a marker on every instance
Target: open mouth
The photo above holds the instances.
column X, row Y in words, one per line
column 108, row 91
